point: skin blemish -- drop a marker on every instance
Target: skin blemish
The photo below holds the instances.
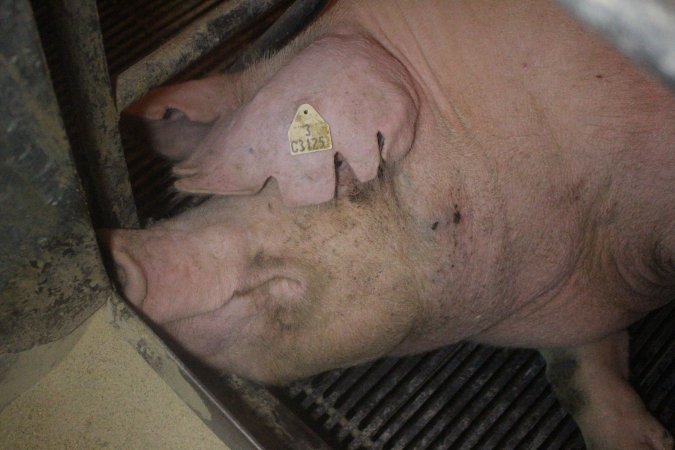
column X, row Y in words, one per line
column 264, row 261
column 457, row 216
column 259, row 259
column 434, row 225
column 598, row 76
column 380, row 146
column 361, row 195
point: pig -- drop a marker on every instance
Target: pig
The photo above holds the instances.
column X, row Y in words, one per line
column 489, row 171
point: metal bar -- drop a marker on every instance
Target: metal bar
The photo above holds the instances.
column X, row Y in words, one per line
column 643, row 30
column 135, row 31
column 292, row 21
column 97, row 138
column 51, row 275
column 174, row 372
column 243, row 415
column 200, row 37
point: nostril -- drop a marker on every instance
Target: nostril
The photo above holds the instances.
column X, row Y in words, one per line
column 173, row 114
column 120, row 275
column 185, row 171
column 130, row 277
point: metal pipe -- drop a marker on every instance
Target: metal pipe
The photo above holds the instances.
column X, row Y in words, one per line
column 200, row 37
column 174, row 372
column 643, row 30
column 290, row 23
column 96, row 138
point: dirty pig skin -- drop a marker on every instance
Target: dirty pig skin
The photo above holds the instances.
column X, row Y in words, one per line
column 496, row 173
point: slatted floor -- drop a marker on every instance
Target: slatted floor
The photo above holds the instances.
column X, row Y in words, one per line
column 471, row 397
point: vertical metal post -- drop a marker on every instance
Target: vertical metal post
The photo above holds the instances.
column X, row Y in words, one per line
column 97, row 139
column 51, row 276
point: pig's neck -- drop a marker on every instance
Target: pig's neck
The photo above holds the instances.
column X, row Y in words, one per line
column 449, row 187
column 506, row 168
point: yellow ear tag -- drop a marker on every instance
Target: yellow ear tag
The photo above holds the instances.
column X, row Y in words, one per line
column 308, row 132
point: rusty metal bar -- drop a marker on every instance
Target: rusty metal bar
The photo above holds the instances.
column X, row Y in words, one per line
column 644, row 30
column 96, row 138
column 219, row 25
column 174, row 372
column 51, row 275
column 292, row 21
column 243, row 415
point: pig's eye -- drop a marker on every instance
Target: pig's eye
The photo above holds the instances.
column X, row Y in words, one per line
column 338, row 161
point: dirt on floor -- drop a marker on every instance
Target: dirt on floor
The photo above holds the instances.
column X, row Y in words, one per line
column 102, row 395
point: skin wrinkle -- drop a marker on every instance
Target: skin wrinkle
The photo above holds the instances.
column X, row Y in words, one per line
column 543, row 124
column 187, row 317
column 603, row 259
column 663, row 259
column 433, row 321
column 432, row 81
column 402, row 255
column 589, row 262
column 498, row 243
column 639, row 280
column 418, row 299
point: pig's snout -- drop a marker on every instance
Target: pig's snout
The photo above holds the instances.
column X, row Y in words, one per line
column 128, row 273
column 130, row 277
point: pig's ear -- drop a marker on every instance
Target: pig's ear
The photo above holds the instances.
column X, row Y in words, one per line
column 172, row 120
column 357, row 101
column 175, row 137
column 199, row 100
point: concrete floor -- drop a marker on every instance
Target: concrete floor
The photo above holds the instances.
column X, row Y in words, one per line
column 102, row 395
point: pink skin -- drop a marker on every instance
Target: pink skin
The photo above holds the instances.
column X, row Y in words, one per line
column 256, row 147
column 524, row 197
column 244, row 302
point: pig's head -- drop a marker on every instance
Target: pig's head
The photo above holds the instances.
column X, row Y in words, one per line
column 249, row 286
column 316, row 268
